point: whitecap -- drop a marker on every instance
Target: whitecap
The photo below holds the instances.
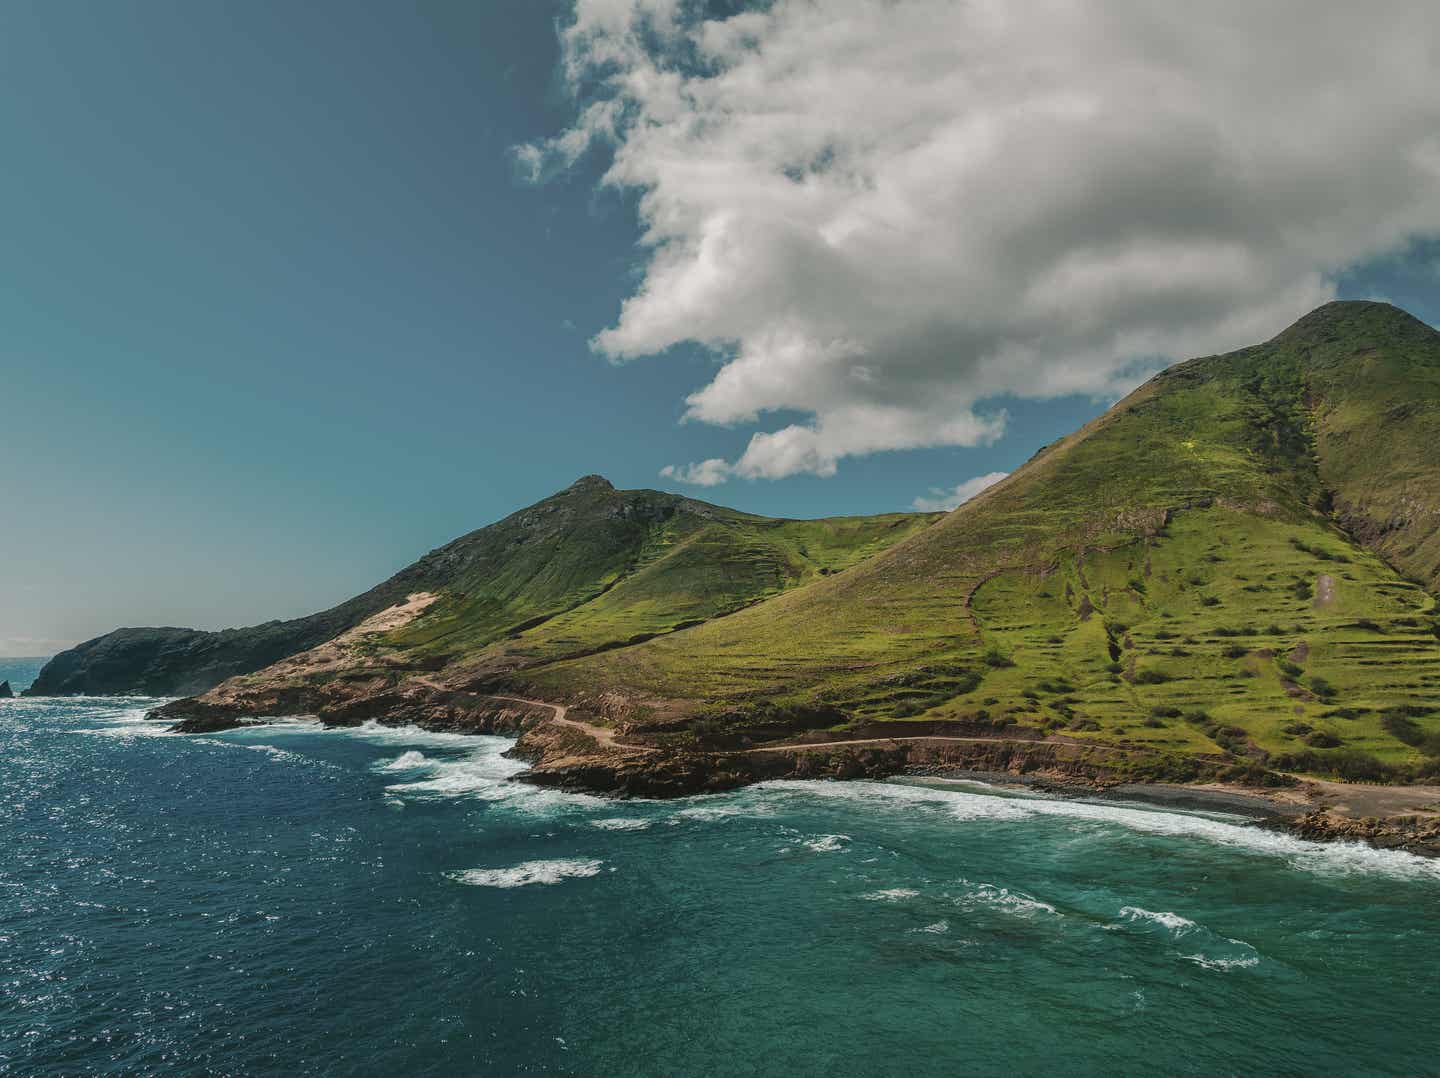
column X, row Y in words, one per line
column 826, row 843
column 471, row 767
column 1003, row 899
column 719, row 812
column 891, row 894
column 1225, row 953
column 620, row 823
column 528, row 872
column 486, row 775
column 1176, row 924
column 122, row 723
column 275, row 752
column 406, row 761
column 939, row 928
column 1223, row 964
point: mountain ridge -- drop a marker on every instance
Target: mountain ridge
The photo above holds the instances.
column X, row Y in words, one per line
column 529, row 567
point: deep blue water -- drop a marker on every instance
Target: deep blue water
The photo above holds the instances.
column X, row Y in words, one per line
column 288, row 900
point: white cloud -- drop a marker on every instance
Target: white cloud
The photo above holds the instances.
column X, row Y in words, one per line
column 707, row 473
column 945, row 500
column 883, row 214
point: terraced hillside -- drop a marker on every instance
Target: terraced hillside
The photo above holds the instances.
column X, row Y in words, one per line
column 1233, row 560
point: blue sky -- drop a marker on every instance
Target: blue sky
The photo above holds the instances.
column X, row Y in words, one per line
column 280, row 312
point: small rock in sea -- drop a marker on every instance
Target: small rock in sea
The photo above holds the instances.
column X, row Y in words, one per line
column 5, row 693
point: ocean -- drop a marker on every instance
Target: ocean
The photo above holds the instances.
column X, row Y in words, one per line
column 291, row 900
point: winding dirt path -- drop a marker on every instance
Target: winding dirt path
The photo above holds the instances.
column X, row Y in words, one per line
column 559, row 709
column 607, row 738
column 600, row 734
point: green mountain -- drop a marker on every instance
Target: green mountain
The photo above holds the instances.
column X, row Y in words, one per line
column 587, row 569
column 1231, row 573
column 1239, row 558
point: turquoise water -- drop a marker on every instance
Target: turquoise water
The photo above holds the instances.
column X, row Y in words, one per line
column 289, row 900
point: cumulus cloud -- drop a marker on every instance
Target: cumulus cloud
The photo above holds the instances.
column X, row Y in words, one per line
column 706, row 473
column 882, row 215
column 943, row 501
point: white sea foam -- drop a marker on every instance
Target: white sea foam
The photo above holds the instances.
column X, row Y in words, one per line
column 826, row 843
column 1173, row 921
column 712, row 812
column 1225, row 953
column 1224, row 964
column 620, row 823
column 1003, row 899
column 410, row 760
column 891, row 894
column 473, row 767
column 459, row 766
column 486, row 775
column 1327, row 858
column 939, row 928
column 277, row 753
column 528, row 872
column 122, row 722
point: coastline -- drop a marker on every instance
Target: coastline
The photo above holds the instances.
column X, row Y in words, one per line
column 1207, row 797
column 567, row 752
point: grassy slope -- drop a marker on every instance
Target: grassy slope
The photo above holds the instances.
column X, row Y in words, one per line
column 1159, row 561
column 592, row 568
column 690, row 573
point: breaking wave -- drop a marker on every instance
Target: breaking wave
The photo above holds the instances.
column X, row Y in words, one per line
column 528, row 873
column 1327, row 858
column 891, row 894
column 826, row 843
column 1172, row 921
column 406, row 761
column 1004, row 900
column 620, row 823
column 1213, row 951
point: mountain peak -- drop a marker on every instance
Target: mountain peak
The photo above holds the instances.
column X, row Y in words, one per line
column 590, row 482
column 1351, row 316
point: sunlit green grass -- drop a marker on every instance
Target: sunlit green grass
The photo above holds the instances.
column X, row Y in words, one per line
column 1145, row 581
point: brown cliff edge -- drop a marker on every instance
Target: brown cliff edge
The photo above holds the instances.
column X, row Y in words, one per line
column 568, row 749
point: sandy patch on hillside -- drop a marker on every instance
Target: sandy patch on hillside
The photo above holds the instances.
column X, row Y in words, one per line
column 342, row 651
